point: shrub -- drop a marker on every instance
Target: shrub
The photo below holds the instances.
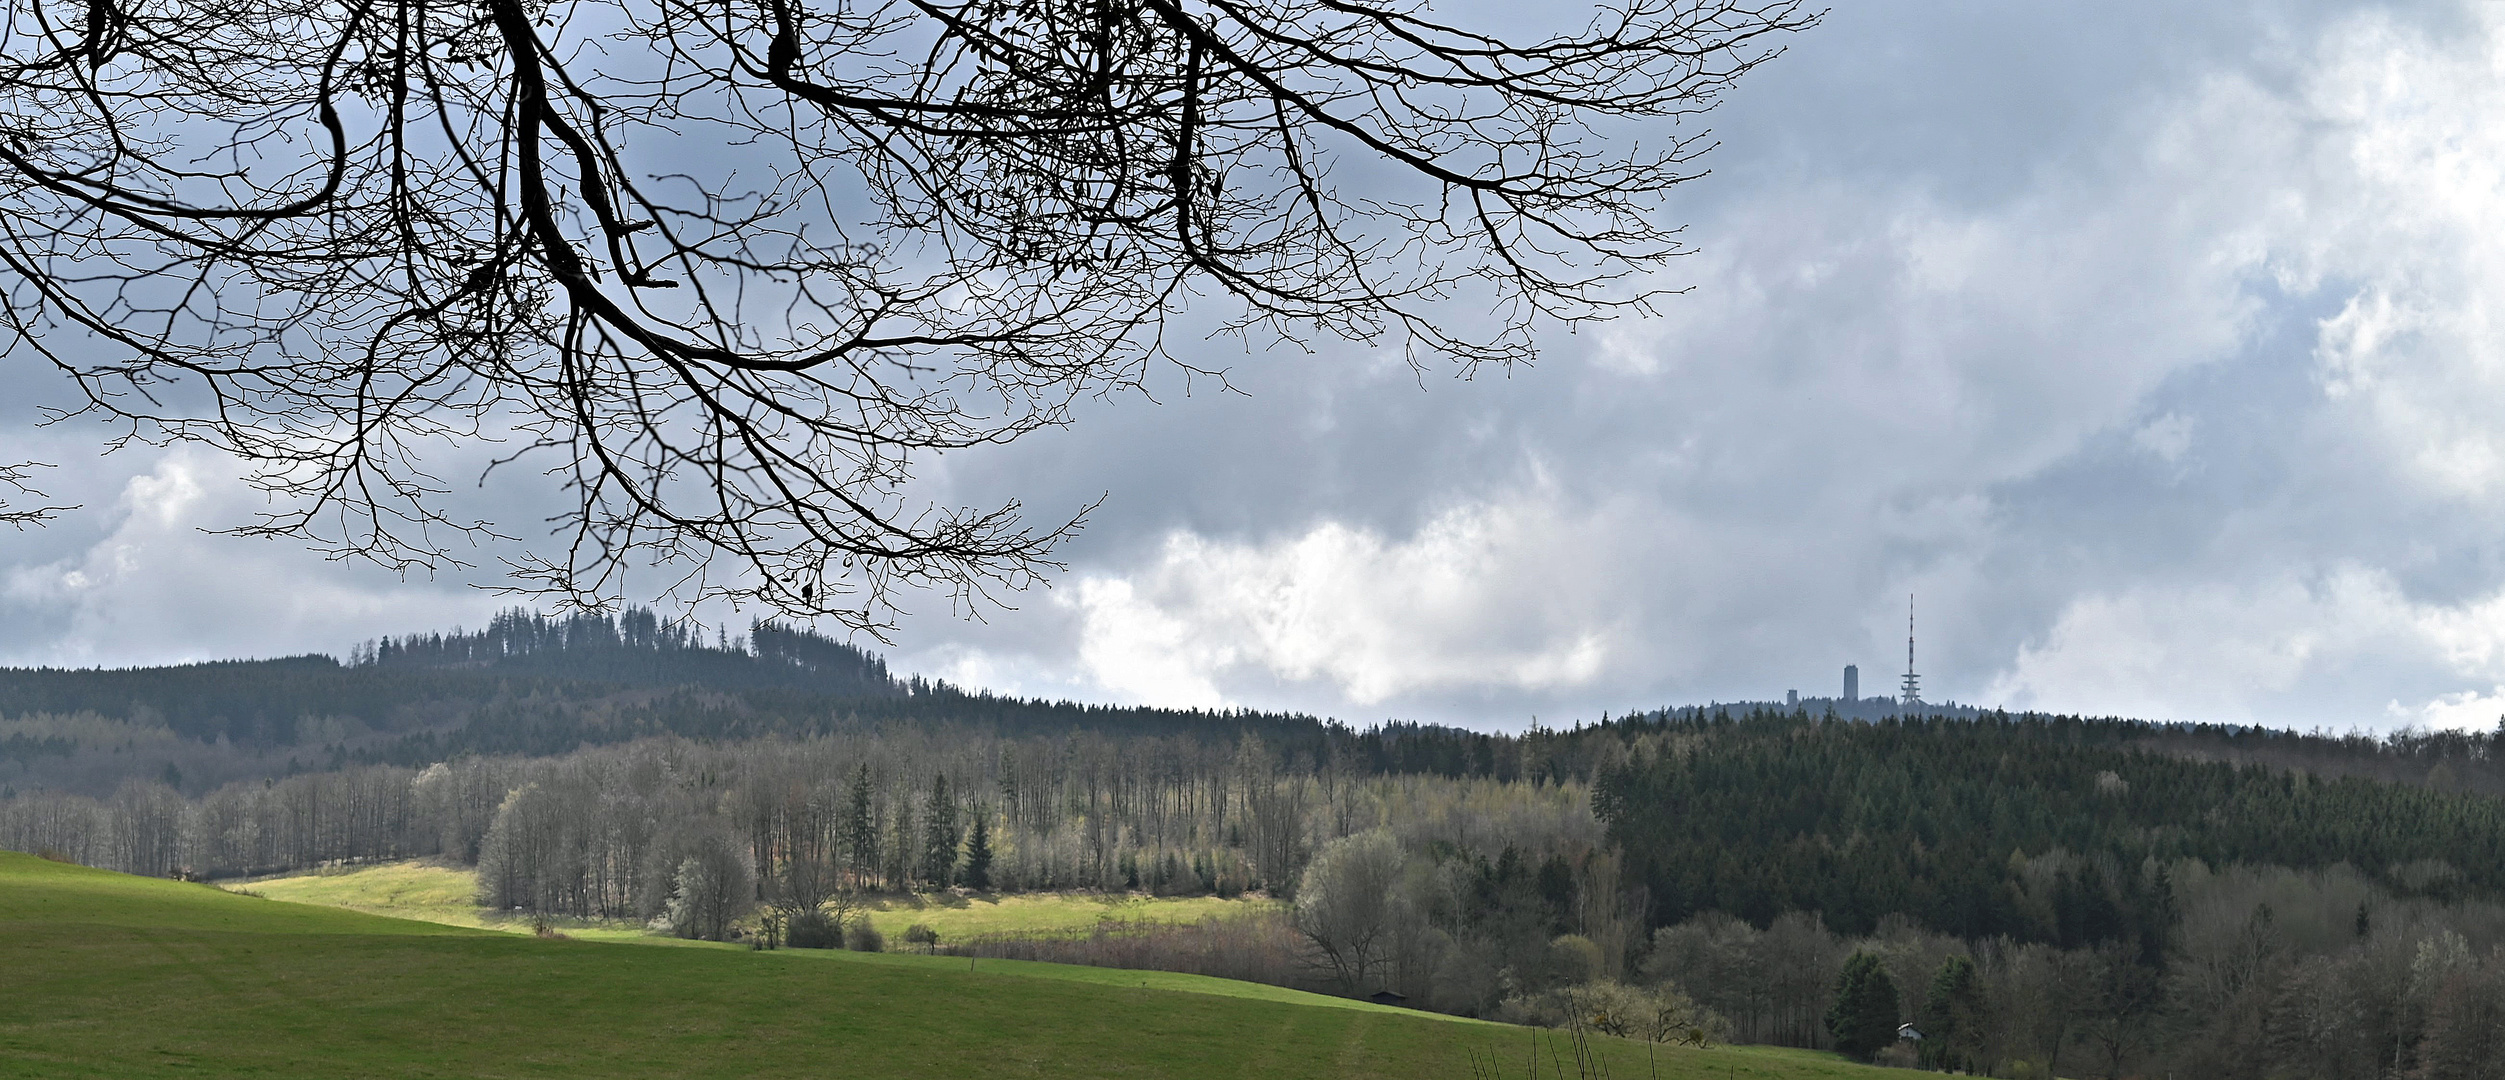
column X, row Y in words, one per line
column 1574, row 959
column 1256, row 946
column 860, row 936
column 813, row 930
column 1661, row 1014
column 918, row 934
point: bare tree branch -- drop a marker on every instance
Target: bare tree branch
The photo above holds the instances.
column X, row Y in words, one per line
column 15, row 477
column 731, row 270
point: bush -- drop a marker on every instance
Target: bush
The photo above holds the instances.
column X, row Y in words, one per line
column 1574, row 959
column 1661, row 1014
column 918, row 934
column 1256, row 946
column 813, row 930
column 863, row 937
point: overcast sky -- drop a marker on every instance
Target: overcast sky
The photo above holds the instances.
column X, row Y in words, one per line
column 2159, row 348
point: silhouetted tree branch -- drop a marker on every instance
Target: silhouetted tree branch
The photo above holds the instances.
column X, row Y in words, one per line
column 729, row 271
column 15, row 477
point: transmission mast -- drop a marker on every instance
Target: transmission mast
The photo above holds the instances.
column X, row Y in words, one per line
column 1913, row 682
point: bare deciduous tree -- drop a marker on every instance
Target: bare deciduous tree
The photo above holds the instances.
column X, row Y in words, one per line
column 730, row 270
column 1349, row 904
column 713, row 887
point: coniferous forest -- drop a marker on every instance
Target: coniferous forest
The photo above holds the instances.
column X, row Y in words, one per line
column 2037, row 895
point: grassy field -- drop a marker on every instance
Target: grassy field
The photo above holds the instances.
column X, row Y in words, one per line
column 426, row 892
column 418, row 889
column 409, row 890
column 103, row 975
column 1048, row 913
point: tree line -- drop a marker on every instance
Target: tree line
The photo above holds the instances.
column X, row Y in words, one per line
column 2089, row 896
column 585, row 833
column 1768, row 813
column 2266, row 973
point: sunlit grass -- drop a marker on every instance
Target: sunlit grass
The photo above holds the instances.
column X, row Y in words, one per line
column 954, row 916
column 414, row 889
column 433, row 892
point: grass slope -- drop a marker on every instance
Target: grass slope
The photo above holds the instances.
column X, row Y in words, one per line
column 104, row 975
column 418, row 889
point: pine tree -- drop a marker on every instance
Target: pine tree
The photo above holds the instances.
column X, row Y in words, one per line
column 1863, row 1018
column 978, row 851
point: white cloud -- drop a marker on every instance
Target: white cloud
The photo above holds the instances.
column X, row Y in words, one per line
column 2467, row 710
column 1484, row 595
column 157, row 589
column 2226, row 651
column 2200, row 652
column 2402, row 189
column 2375, row 177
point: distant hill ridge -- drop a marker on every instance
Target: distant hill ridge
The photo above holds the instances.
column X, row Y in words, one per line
column 638, row 648
column 398, row 683
column 533, row 684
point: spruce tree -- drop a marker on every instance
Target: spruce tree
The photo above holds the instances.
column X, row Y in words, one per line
column 861, row 829
column 939, row 835
column 1863, row 1018
column 1952, row 1018
column 978, row 851
column 902, row 858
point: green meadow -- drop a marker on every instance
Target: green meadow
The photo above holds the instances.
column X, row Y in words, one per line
column 107, row 975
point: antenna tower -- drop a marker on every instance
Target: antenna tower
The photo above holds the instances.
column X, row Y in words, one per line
column 1913, row 682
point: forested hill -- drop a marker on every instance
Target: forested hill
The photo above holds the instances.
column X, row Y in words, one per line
column 526, row 685
column 638, row 649
column 258, row 700
column 1951, row 821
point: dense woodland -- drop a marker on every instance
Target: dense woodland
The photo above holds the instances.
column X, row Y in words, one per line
column 2035, row 893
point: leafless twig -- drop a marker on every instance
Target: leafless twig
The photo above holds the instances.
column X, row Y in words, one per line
column 15, row 477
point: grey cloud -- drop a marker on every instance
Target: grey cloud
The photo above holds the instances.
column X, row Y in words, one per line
column 1958, row 263
column 1944, row 283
